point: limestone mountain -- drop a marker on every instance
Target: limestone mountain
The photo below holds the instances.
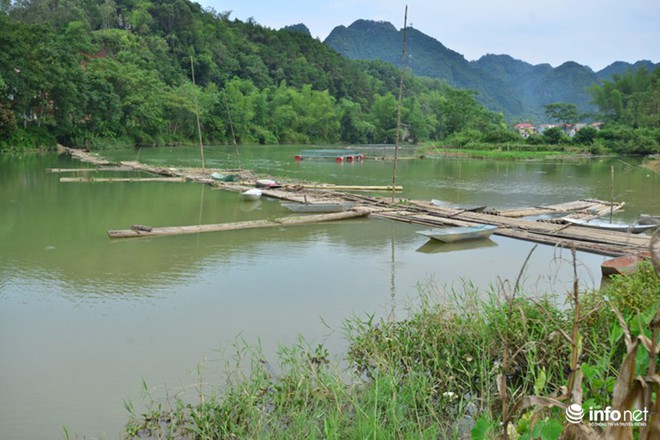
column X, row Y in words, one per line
column 516, row 88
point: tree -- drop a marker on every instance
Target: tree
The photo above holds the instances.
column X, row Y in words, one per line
column 553, row 135
column 561, row 112
column 632, row 98
column 585, row 136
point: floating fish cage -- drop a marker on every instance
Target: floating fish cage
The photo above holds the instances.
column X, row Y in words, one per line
column 339, row 155
column 375, row 151
column 386, row 151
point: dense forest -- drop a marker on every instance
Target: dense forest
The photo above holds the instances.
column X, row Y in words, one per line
column 121, row 73
column 126, row 72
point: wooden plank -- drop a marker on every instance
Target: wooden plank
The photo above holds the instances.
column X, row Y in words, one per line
column 142, row 231
column 70, row 170
column 352, row 187
column 87, row 170
column 122, row 179
column 587, row 208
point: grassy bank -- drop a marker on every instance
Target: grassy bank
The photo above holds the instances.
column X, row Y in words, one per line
column 508, row 152
column 498, row 364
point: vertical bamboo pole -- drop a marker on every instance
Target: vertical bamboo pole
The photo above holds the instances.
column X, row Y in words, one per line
column 398, row 110
column 199, row 127
column 233, row 135
column 612, row 193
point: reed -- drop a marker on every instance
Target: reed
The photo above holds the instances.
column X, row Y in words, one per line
column 463, row 364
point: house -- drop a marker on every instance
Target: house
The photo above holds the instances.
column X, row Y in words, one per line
column 525, row 129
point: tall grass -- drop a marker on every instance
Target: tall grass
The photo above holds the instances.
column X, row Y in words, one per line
column 481, row 365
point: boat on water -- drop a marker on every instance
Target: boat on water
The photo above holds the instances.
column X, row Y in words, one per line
column 251, row 194
column 268, row 183
column 459, row 233
column 472, row 208
column 224, row 177
column 318, row 207
column 646, row 219
column 635, row 228
column 624, row 265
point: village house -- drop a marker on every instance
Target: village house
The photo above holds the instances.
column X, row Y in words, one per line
column 526, row 129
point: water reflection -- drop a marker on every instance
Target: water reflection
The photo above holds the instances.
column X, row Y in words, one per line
column 435, row 246
column 84, row 319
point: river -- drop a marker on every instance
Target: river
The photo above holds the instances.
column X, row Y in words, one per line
column 84, row 320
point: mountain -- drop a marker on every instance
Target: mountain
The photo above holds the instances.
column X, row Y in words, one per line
column 517, row 89
column 538, row 85
column 300, row 27
column 620, row 67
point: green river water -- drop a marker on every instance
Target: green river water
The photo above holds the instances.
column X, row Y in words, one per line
column 84, row 320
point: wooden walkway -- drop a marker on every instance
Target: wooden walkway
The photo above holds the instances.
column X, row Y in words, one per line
column 510, row 222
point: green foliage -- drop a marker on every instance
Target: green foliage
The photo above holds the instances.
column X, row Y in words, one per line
column 562, row 112
column 585, row 136
column 94, row 73
column 432, row 375
column 554, row 136
column 631, row 99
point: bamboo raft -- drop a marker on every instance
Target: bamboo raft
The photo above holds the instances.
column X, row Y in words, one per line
column 585, row 239
column 122, row 179
column 510, row 222
column 146, row 231
column 583, row 209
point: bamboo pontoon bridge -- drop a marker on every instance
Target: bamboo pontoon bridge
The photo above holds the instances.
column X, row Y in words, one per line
column 511, row 222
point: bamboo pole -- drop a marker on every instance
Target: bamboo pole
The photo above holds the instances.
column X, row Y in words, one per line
column 398, row 109
column 87, row 170
column 199, row 127
column 354, row 187
column 142, row 231
column 70, row 170
column 121, row 179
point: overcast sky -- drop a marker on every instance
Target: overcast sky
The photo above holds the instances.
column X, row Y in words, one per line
column 591, row 32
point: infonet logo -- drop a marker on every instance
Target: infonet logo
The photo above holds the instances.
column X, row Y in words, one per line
column 607, row 416
column 574, row 413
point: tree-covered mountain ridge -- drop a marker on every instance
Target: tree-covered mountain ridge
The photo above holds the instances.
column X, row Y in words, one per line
column 117, row 73
column 514, row 87
column 98, row 74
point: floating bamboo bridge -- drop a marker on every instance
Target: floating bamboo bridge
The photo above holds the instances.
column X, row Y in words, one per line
column 514, row 223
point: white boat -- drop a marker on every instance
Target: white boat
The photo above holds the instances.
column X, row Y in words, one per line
column 251, row 194
column 635, row 228
column 450, row 235
column 318, row 207
column 224, row 177
column 472, row 208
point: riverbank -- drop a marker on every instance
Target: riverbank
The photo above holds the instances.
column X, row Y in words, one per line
column 511, row 152
column 653, row 164
column 467, row 368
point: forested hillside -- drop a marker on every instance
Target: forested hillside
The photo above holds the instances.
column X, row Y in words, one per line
column 516, row 88
column 120, row 73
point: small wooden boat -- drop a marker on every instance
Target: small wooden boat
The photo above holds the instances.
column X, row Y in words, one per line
column 471, row 208
column 318, row 207
column 224, row 177
column 268, row 183
column 624, row 265
column 251, row 194
column 635, row 228
column 450, row 235
column 646, row 219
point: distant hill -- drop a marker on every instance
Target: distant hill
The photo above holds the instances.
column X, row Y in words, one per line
column 518, row 89
column 619, row 67
column 300, row 27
